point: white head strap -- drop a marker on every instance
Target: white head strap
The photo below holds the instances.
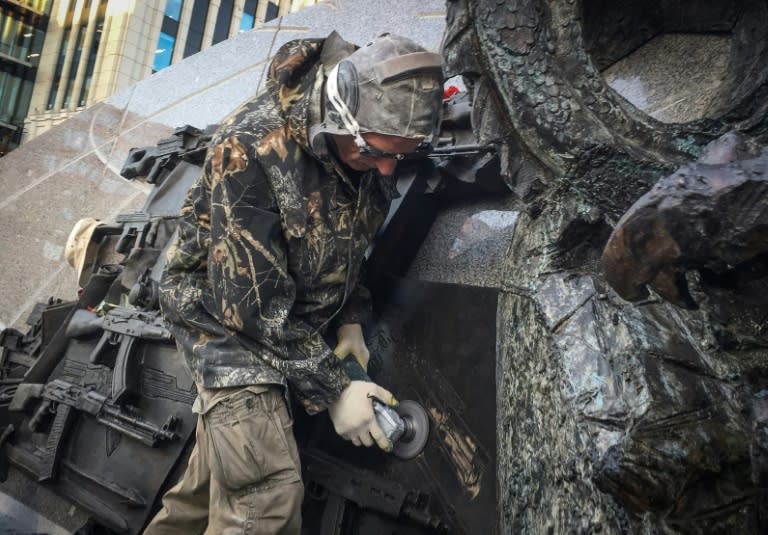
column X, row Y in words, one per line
column 349, row 121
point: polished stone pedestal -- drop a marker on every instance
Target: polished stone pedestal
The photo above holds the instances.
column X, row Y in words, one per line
column 673, row 77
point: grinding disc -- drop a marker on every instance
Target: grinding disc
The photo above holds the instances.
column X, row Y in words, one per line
column 416, row 430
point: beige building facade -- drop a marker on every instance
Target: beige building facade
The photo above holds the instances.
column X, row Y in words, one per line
column 95, row 48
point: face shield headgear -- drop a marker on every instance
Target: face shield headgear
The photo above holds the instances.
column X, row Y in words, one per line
column 391, row 86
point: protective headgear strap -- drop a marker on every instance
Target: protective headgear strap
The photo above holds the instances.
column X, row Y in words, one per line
column 349, row 121
column 408, row 64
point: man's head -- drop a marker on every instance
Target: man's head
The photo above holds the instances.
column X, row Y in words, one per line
column 383, row 101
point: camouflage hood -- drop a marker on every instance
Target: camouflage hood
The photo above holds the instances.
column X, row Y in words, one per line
column 295, row 81
column 391, row 86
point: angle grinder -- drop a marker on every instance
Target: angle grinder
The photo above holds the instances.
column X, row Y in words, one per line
column 405, row 426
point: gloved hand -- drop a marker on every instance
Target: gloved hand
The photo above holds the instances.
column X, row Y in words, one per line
column 353, row 417
column 350, row 340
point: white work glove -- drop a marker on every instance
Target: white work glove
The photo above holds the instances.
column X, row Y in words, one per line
column 353, row 417
column 350, row 340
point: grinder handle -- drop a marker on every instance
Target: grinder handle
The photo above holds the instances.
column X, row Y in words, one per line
column 354, row 370
column 389, row 421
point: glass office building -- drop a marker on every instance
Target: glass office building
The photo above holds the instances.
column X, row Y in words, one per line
column 96, row 48
column 22, row 31
column 189, row 25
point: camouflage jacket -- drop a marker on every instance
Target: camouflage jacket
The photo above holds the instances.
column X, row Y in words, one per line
column 271, row 243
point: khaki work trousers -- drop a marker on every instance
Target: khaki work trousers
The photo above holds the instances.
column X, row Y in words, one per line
column 243, row 474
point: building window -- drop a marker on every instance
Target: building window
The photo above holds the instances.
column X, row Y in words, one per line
column 223, row 20
column 15, row 92
column 20, row 36
column 249, row 16
column 9, row 34
column 164, row 52
column 196, row 28
column 41, row 6
column 94, row 50
column 10, row 84
column 22, row 31
column 173, row 9
column 167, row 40
column 78, row 52
column 272, row 9
column 67, row 30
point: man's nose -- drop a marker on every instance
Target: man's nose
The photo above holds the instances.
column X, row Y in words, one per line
column 386, row 166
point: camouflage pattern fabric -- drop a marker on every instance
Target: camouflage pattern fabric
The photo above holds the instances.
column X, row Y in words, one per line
column 271, row 243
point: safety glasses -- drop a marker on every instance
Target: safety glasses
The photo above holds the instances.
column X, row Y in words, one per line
column 422, row 151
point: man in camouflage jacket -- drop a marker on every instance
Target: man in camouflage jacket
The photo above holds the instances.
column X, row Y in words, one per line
column 268, row 257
